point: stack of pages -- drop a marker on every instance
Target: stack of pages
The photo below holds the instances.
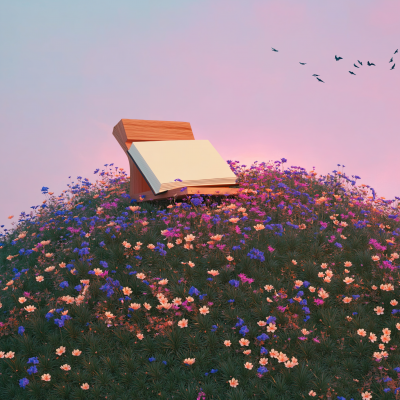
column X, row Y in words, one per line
column 175, row 164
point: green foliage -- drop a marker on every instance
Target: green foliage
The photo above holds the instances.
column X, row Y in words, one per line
column 100, row 229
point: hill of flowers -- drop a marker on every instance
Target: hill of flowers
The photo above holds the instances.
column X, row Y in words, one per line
column 288, row 290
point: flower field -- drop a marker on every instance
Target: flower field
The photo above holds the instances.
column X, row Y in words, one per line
column 289, row 290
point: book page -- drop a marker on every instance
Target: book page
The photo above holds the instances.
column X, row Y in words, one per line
column 195, row 162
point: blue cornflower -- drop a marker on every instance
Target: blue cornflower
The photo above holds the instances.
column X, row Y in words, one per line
column 151, row 359
column 243, row 330
column 78, row 288
column 263, row 337
column 59, row 322
column 33, row 360
column 64, row 284
column 240, row 322
column 231, row 300
column 213, row 371
column 21, row 330
column 235, row 283
column 214, row 328
column 164, row 362
column 197, row 202
column 338, row 245
column 263, row 350
column 23, row 382
column 262, row 370
column 193, row 291
column 32, row 370
column 256, row 254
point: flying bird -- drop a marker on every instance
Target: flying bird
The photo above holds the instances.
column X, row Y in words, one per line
column 321, row 80
column 338, row 58
column 396, row 51
column 370, row 63
column 273, row 49
column 391, row 60
column 393, row 66
column 303, row 63
column 359, row 62
column 352, row 73
column 315, row 75
column 356, row 66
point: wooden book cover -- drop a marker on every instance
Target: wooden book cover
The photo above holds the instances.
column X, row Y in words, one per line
column 175, row 164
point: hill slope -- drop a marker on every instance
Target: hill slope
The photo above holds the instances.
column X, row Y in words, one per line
column 287, row 291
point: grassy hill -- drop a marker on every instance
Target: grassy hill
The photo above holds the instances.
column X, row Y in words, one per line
column 289, row 290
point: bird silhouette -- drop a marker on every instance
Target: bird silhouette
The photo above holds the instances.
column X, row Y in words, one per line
column 303, row 63
column 359, row 62
column 370, row 63
column 273, row 49
column 356, row 66
column 338, row 58
column 396, row 51
column 315, row 75
column 391, row 60
column 321, row 80
column 352, row 73
column 393, row 66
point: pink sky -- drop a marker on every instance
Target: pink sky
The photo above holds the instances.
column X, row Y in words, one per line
column 71, row 71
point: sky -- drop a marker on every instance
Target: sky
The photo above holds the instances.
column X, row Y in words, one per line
column 70, row 71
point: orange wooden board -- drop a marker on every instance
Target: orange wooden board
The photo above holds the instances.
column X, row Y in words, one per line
column 211, row 190
column 139, row 130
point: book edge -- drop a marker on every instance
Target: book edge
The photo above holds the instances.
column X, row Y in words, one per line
column 145, row 165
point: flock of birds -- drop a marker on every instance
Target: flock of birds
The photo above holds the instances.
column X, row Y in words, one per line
column 341, row 58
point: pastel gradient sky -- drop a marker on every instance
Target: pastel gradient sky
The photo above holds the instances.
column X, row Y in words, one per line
column 70, row 71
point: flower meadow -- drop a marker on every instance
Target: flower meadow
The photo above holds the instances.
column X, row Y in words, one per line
column 288, row 290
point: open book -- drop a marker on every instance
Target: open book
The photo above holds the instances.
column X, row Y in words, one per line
column 174, row 164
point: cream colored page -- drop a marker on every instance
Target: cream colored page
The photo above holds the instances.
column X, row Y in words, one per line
column 188, row 160
column 144, row 168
